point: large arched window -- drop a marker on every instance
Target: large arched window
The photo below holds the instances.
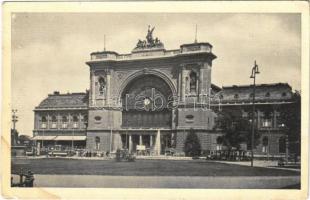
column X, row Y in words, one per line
column 282, row 145
column 146, row 103
column 193, row 82
column 97, row 141
column 102, row 84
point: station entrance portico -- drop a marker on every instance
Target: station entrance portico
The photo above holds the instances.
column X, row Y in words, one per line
column 146, row 115
column 147, row 142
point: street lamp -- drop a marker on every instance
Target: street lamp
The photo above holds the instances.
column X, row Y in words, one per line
column 253, row 75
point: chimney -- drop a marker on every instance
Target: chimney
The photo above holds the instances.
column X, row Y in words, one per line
column 56, row 92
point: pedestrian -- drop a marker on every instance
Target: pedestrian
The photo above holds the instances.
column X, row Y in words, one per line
column 29, row 179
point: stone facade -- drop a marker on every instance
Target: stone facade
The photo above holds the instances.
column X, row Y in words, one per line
column 180, row 78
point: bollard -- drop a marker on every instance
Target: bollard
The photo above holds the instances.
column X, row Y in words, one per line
column 21, row 177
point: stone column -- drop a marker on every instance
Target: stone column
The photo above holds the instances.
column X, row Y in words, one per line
column 151, row 141
column 179, row 84
column 275, row 123
column 183, row 84
column 130, row 143
column 48, row 122
column 93, row 89
column 201, row 91
column 140, row 139
column 107, row 101
column 158, row 143
column 117, row 141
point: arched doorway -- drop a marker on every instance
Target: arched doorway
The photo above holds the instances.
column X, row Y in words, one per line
column 146, row 108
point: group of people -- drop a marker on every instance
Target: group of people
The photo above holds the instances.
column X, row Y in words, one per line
column 27, row 182
column 94, row 154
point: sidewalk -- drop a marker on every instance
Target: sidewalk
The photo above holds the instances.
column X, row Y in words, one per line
column 221, row 182
column 258, row 163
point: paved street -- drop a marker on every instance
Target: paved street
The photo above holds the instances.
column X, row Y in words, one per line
column 59, row 166
column 257, row 182
column 57, row 172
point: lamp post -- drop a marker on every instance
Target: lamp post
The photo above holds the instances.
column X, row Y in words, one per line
column 14, row 120
column 253, row 75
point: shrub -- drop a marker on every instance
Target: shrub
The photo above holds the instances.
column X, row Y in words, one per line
column 192, row 145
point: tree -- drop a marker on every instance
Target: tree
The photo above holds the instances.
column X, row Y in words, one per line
column 192, row 145
column 290, row 120
column 25, row 140
column 237, row 130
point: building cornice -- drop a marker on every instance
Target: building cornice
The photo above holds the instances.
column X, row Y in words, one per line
column 60, row 109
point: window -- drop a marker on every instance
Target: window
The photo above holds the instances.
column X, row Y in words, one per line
column 97, row 141
column 97, row 118
column 236, row 96
column 189, row 118
column 54, row 122
column 266, row 123
column 251, row 95
column 267, row 94
column 284, row 94
column 219, row 142
column 85, row 121
column 75, row 122
column 265, row 145
column 64, row 122
column 221, row 96
column 101, row 86
column 43, row 122
column 282, row 145
column 193, row 82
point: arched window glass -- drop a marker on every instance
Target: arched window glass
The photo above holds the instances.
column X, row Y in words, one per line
column 43, row 119
column 54, row 122
column 101, row 85
column 193, row 82
column 64, row 122
column 97, row 141
column 54, row 119
column 64, row 119
column 43, row 122
column 267, row 94
column 236, row 96
column 282, row 145
column 75, row 121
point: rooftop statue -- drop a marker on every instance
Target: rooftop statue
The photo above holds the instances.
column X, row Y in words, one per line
column 150, row 42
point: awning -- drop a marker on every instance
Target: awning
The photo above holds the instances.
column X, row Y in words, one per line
column 41, row 137
column 70, row 138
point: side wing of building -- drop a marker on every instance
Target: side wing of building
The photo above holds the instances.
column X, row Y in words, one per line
column 61, row 119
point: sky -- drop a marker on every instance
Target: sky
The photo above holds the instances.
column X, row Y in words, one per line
column 49, row 50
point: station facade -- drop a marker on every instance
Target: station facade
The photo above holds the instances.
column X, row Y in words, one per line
column 151, row 98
